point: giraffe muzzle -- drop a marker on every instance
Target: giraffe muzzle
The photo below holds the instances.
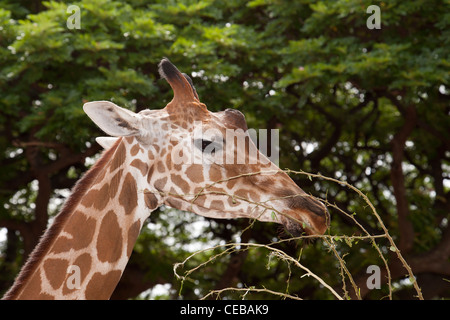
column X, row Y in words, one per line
column 306, row 216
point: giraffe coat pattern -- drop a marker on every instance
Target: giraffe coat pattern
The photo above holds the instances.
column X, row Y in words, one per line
column 178, row 156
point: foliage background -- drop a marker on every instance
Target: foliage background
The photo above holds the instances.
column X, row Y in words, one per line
column 369, row 107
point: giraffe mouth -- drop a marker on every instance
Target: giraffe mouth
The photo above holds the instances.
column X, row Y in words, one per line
column 306, row 216
column 295, row 228
column 305, row 223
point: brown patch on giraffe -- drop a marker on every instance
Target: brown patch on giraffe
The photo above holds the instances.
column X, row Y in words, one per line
column 102, row 198
column 128, row 195
column 231, row 183
column 142, row 166
column 109, row 241
column 81, row 228
column 169, row 159
column 130, row 140
column 203, row 209
column 97, row 198
column 174, row 203
column 217, row 205
column 119, row 157
column 101, row 176
column 56, row 271
column 150, row 155
column 180, row 182
column 89, row 199
column 160, row 183
column 135, row 149
column 200, row 200
column 214, row 173
column 150, row 173
column 243, row 193
column 150, row 200
column 133, row 233
column 62, row 244
column 232, row 201
column 42, row 296
column 198, row 190
column 195, row 173
column 113, row 187
column 32, row 290
column 160, row 166
column 215, row 189
column 100, row 287
column 83, row 261
column 254, row 196
column 178, row 166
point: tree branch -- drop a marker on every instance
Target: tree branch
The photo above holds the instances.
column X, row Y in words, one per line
column 398, row 181
column 234, row 265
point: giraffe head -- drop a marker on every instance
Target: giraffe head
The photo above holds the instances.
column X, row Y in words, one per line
column 205, row 162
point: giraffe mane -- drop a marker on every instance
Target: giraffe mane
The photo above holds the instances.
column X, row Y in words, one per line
column 45, row 242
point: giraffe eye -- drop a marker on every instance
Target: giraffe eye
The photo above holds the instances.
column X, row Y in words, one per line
column 205, row 144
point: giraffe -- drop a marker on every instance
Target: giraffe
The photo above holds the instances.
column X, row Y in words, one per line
column 152, row 158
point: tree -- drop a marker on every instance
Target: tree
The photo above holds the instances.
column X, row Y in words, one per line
column 364, row 106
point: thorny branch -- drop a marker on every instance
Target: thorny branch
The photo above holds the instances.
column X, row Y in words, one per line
column 276, row 252
column 329, row 239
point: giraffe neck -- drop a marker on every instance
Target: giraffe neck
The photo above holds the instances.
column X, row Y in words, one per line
column 83, row 254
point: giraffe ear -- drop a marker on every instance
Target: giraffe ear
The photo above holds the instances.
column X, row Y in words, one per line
column 112, row 119
column 106, row 142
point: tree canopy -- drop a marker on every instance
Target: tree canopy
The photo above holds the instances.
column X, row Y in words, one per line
column 364, row 107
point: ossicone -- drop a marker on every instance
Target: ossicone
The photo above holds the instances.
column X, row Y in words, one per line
column 182, row 85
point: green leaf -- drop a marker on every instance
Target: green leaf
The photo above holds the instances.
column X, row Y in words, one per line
column 274, row 216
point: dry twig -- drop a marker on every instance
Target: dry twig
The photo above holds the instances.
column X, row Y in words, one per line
column 329, row 239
